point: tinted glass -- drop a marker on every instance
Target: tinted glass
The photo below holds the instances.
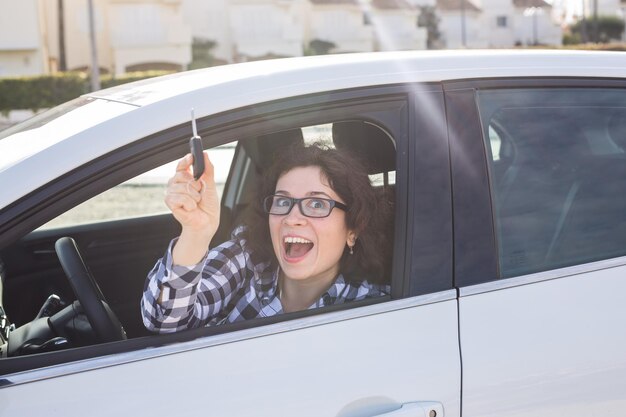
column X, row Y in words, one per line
column 558, row 175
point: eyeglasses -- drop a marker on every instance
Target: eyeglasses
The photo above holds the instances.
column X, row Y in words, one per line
column 309, row 206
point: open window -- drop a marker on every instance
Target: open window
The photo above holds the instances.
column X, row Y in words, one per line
column 119, row 250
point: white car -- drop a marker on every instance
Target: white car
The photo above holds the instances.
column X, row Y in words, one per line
column 507, row 172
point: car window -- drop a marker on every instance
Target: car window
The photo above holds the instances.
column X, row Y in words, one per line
column 558, row 167
column 139, row 196
column 121, row 242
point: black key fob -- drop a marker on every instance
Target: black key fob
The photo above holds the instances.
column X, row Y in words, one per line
column 195, row 147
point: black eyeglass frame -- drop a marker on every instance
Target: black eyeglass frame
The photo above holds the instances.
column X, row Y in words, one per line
column 298, row 201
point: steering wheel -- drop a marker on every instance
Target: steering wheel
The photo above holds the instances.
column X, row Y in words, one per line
column 103, row 320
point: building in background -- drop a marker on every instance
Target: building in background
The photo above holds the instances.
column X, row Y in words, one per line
column 395, row 25
column 43, row 36
column 572, row 10
column 23, row 39
column 605, row 7
column 266, row 29
column 146, row 35
column 461, row 24
column 498, row 23
column 534, row 23
column 345, row 24
column 131, row 35
column 245, row 30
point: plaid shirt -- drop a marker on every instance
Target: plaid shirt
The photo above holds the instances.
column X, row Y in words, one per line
column 226, row 286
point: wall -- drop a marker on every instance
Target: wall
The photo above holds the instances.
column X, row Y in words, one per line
column 22, row 47
column 342, row 25
column 397, row 29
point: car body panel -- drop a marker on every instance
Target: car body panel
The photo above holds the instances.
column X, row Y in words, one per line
column 344, row 369
column 566, row 334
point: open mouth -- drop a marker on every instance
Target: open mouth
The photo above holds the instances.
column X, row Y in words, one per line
column 296, row 247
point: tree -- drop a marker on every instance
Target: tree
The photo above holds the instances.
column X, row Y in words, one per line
column 428, row 18
column 319, row 47
column 608, row 28
column 201, row 56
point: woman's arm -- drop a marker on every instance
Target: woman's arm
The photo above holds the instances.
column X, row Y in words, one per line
column 179, row 297
column 196, row 206
column 188, row 286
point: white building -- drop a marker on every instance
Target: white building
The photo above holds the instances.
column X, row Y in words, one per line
column 570, row 10
column 395, row 25
column 461, row 24
column 261, row 28
column 144, row 34
column 23, row 46
column 209, row 20
column 254, row 29
column 343, row 23
column 497, row 23
column 130, row 35
column 534, row 23
column 157, row 34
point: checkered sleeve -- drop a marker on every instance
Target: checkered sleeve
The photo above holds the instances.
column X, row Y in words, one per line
column 192, row 296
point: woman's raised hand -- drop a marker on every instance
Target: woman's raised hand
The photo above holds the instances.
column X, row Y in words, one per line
column 195, row 205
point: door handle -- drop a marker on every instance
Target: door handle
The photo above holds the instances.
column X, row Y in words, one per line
column 416, row 409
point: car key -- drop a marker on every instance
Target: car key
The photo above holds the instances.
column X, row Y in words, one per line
column 195, row 146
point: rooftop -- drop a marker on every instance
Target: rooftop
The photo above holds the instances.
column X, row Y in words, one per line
column 453, row 5
column 335, row 2
column 392, row 4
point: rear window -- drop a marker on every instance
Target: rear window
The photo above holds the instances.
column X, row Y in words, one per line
column 558, row 175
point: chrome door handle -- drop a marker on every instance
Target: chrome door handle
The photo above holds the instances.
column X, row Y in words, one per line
column 416, row 409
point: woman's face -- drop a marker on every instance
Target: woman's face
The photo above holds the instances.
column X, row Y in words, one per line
column 308, row 248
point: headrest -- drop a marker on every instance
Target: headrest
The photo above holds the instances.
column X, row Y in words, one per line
column 368, row 142
column 263, row 149
column 553, row 139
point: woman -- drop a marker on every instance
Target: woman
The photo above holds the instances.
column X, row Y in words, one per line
column 319, row 230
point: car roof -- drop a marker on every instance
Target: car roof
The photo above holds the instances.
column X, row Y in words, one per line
column 126, row 113
column 299, row 76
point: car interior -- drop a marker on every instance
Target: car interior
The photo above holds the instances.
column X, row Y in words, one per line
column 550, row 179
column 80, row 285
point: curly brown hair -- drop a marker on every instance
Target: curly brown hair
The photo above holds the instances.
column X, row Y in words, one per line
column 368, row 212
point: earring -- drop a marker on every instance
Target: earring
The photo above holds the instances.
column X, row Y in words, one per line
column 351, row 250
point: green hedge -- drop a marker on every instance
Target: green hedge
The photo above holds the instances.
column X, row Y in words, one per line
column 609, row 28
column 614, row 46
column 617, row 46
column 40, row 92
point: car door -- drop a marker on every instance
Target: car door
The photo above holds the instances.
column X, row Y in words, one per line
column 398, row 354
column 541, row 251
column 121, row 232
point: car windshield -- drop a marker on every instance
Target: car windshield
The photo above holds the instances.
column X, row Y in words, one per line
column 44, row 130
